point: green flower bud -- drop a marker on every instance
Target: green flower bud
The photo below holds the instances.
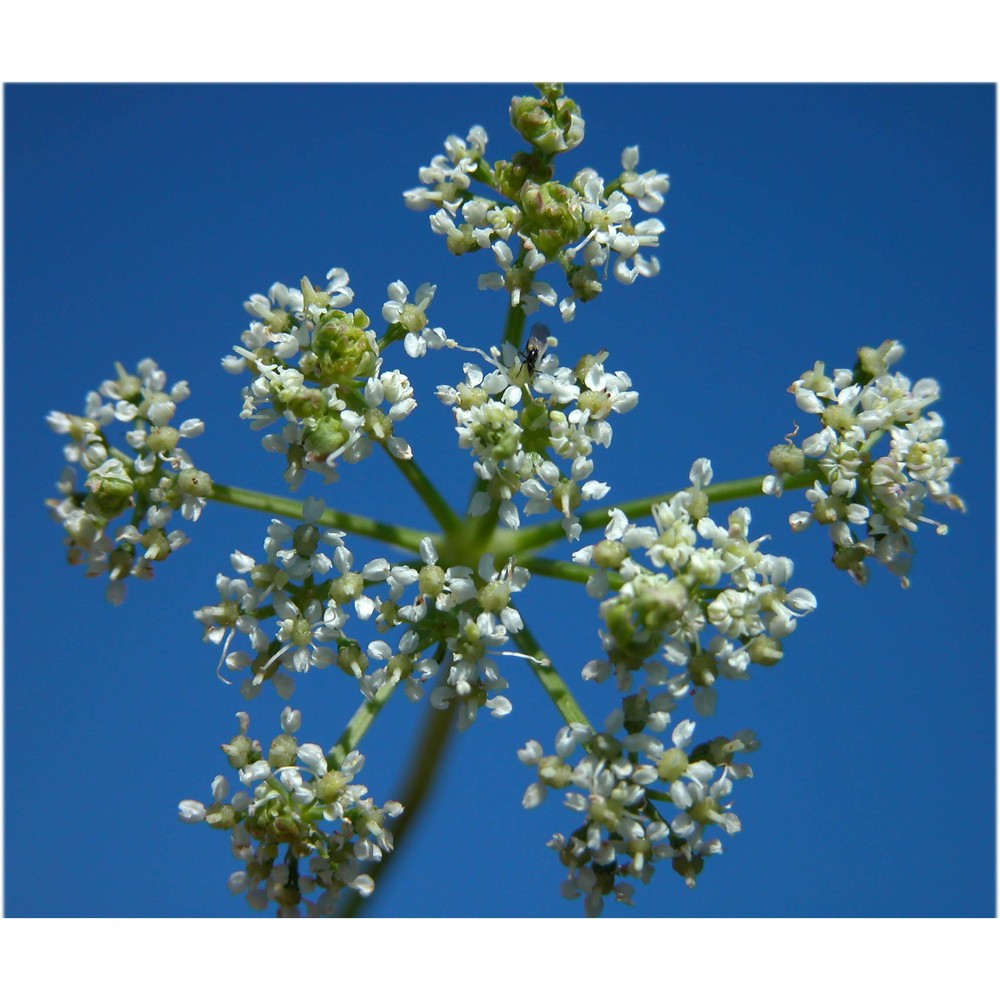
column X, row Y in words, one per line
column 347, row 588
column 703, row 669
column 378, row 425
column 494, row 596
column 584, row 281
column 283, row 750
column 469, row 396
column 697, row 504
column 549, row 123
column 352, row 660
column 618, row 618
column 110, row 488
column 554, row 771
column 194, row 482
column 672, row 764
column 553, row 216
column 156, row 544
column 329, row 787
column 509, row 178
column 287, row 894
column 344, row 347
column 595, row 402
column 635, row 708
column 840, row 418
column 129, row 386
column 305, row 539
column 658, row 605
column 786, row 459
column 401, row 664
column 325, row 435
column 534, row 421
column 161, row 439
column 304, row 402
column 284, row 829
column 431, row 581
column 765, row 650
column 566, row 496
column 610, row 554
column 829, row 510
column 240, row 751
column 221, row 815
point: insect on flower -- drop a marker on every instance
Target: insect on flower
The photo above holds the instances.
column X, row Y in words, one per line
column 538, row 344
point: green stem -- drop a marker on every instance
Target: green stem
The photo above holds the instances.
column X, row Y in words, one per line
column 559, row 569
column 532, row 539
column 555, row 687
column 513, row 329
column 358, row 524
column 424, row 769
column 426, row 490
column 360, row 723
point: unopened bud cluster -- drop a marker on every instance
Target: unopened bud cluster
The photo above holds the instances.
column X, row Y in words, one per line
column 872, row 504
column 303, row 828
column 141, row 481
column 529, row 219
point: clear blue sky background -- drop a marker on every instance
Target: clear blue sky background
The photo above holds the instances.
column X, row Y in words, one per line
column 802, row 223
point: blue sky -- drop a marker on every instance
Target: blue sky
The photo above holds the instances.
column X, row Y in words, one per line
column 802, row 223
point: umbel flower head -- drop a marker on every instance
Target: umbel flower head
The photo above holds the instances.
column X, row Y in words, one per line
column 146, row 479
column 319, row 375
column 587, row 226
column 872, row 504
column 303, row 827
column 640, row 799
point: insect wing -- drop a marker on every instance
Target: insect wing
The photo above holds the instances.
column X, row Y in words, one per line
column 538, row 344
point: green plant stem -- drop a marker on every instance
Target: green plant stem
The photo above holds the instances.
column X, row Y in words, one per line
column 560, row 569
column 555, row 687
column 513, row 329
column 427, row 491
column 358, row 524
column 360, row 723
column 532, row 539
column 424, row 769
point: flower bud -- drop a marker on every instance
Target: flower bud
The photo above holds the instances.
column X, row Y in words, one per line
column 786, row 459
column 283, row 751
column 194, row 483
column 552, row 215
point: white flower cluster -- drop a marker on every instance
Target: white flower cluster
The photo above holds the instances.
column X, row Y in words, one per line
column 621, row 786
column 158, row 479
column 524, row 418
column 331, row 398
column 587, row 226
column 872, row 505
column 294, row 806
column 449, row 622
column 656, row 623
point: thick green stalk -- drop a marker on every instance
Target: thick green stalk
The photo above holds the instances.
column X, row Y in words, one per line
column 424, row 769
column 358, row 524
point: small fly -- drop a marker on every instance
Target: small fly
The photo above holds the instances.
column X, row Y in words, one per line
column 538, row 344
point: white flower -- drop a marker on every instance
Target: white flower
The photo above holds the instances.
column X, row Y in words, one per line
column 647, row 188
